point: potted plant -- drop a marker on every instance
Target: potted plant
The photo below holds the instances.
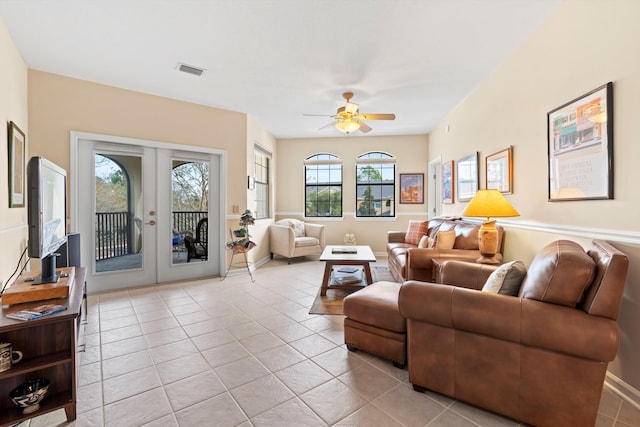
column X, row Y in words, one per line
column 243, row 244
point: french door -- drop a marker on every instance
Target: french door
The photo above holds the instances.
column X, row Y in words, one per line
column 139, row 205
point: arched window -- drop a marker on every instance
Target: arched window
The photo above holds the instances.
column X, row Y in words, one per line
column 323, row 186
column 375, row 185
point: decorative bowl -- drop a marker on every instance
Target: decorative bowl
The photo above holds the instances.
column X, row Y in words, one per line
column 28, row 395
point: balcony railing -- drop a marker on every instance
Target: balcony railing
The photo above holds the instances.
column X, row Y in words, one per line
column 115, row 231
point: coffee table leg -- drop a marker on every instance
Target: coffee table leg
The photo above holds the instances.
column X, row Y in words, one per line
column 367, row 273
column 325, row 279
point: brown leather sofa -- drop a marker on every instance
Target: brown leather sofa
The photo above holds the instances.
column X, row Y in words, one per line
column 540, row 358
column 408, row 262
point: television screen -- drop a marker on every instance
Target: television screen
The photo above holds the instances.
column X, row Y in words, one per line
column 46, row 210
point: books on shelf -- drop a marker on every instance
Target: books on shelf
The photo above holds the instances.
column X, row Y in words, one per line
column 348, row 269
column 37, row 312
column 346, row 280
column 344, row 250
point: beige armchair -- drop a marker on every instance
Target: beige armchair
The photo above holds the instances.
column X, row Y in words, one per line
column 292, row 238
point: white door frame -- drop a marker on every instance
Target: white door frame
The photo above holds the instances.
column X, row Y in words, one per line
column 217, row 183
column 434, row 188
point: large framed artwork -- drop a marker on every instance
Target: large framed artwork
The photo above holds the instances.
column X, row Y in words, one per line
column 411, row 188
column 580, row 147
column 448, row 189
column 16, row 166
column 467, row 177
column 499, row 167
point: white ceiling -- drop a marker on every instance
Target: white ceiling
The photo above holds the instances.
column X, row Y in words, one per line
column 278, row 59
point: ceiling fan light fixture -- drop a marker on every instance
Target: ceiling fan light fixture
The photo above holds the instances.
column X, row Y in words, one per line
column 347, row 125
column 351, row 108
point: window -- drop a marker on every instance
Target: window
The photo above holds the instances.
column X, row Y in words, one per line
column 262, row 183
column 375, row 185
column 323, row 186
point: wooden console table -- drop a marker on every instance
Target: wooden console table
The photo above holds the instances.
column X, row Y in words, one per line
column 49, row 348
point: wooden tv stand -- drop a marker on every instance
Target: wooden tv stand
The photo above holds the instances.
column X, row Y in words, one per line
column 48, row 345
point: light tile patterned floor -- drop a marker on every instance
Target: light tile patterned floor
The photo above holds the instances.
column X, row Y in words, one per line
column 236, row 353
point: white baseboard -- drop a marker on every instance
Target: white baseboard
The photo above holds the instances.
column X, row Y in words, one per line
column 622, row 389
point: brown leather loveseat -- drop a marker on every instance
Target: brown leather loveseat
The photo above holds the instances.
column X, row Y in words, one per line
column 408, row 262
column 541, row 357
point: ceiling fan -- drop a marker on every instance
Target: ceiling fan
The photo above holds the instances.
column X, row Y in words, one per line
column 349, row 119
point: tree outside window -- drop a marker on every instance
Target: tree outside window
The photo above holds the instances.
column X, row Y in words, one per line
column 375, row 185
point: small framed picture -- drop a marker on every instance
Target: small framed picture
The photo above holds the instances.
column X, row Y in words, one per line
column 411, row 188
column 467, row 177
column 16, row 166
column 448, row 175
column 499, row 166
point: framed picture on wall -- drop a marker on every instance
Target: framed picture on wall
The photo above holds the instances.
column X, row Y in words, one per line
column 16, row 166
column 580, row 147
column 411, row 188
column 467, row 177
column 499, row 166
column 447, row 182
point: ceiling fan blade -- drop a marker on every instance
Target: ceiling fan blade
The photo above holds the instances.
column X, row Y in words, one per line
column 318, row 115
column 377, row 116
column 364, row 128
column 327, row 125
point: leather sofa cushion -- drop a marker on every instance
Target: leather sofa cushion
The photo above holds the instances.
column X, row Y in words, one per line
column 559, row 274
column 376, row 305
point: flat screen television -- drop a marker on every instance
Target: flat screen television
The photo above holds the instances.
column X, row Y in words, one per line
column 46, row 214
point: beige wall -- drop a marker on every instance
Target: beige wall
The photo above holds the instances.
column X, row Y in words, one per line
column 410, row 153
column 583, row 45
column 59, row 104
column 13, row 107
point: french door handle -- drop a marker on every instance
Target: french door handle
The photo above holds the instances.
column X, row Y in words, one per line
column 152, row 222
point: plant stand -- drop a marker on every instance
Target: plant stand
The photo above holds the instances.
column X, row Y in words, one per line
column 239, row 250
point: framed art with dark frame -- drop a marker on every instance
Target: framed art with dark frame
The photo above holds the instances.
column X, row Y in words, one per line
column 448, row 183
column 16, row 166
column 467, row 177
column 411, row 188
column 499, row 167
column 580, row 147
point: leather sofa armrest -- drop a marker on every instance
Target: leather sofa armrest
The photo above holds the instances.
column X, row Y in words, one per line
column 315, row 230
column 395, row 236
column 521, row 321
column 465, row 274
column 281, row 240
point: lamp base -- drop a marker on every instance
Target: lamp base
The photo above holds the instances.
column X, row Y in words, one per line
column 488, row 242
column 488, row 260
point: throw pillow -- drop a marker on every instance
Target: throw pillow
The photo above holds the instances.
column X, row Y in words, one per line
column 445, row 239
column 298, row 227
column 415, row 231
column 506, row 279
column 424, row 242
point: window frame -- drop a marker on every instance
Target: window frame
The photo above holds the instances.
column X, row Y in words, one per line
column 324, row 159
column 381, row 160
column 262, row 183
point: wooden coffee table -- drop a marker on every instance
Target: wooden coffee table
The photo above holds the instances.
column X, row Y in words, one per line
column 345, row 255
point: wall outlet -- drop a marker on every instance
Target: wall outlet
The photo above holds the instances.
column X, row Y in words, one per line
column 235, row 208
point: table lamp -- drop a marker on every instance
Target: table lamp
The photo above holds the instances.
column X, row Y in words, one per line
column 489, row 203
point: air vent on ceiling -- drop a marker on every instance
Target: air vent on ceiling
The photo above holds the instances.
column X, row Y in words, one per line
column 190, row 69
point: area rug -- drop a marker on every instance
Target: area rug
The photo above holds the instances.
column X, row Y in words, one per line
column 332, row 302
